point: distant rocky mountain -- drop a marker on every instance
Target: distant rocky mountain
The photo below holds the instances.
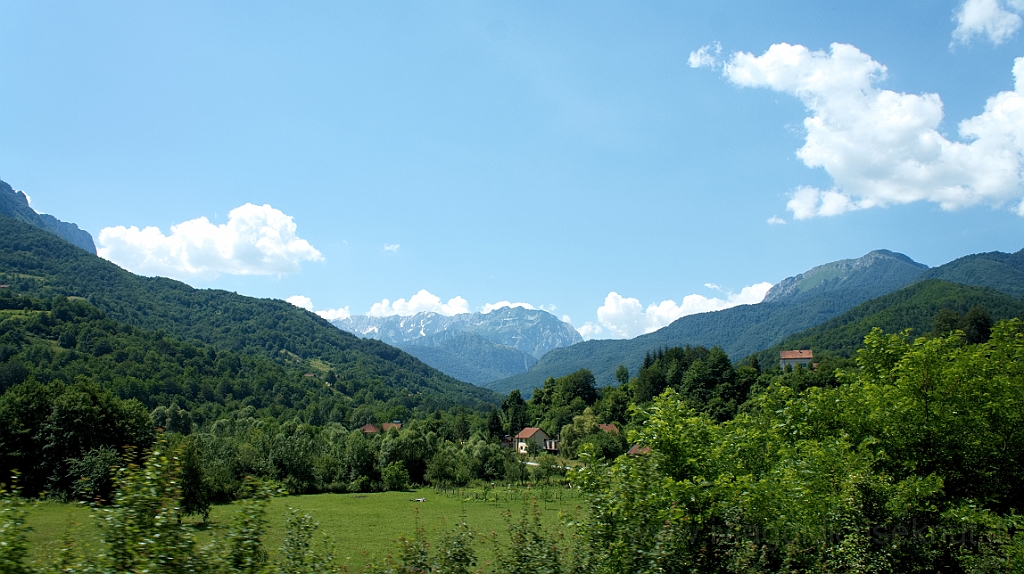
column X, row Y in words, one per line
column 795, row 304
column 14, row 204
column 849, row 278
column 469, row 357
column 472, row 347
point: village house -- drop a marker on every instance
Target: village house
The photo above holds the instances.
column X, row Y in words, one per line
column 536, row 436
column 803, row 358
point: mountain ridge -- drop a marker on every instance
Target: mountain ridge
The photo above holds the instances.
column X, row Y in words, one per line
column 39, row 264
column 14, row 204
column 740, row 330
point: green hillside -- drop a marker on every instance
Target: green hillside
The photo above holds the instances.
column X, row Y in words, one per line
column 38, row 264
column 1000, row 271
column 913, row 307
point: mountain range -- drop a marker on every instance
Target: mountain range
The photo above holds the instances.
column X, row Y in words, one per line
column 474, row 347
column 792, row 306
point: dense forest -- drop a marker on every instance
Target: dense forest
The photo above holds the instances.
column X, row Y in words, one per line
column 40, row 265
column 909, row 459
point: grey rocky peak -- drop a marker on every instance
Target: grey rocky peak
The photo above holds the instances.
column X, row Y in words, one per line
column 877, row 268
column 532, row 331
column 14, row 204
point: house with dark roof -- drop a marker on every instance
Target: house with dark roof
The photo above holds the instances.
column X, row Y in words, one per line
column 803, row 358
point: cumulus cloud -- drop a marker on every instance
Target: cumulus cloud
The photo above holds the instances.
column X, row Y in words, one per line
column 256, row 240
column 776, row 220
column 394, row 247
column 994, row 18
column 626, row 317
column 332, row 314
column 492, row 306
column 882, row 147
column 301, row 301
column 424, row 301
column 590, row 330
column 705, row 56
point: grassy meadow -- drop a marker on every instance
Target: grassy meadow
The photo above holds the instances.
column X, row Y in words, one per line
column 362, row 528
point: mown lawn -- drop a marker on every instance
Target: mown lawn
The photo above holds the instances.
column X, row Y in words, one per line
column 363, row 528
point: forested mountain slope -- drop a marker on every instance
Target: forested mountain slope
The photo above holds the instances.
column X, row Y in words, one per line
column 36, row 263
column 797, row 303
column 1001, row 271
column 914, row 307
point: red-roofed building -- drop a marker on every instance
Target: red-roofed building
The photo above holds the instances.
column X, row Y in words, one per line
column 388, row 426
column 609, row 427
column 637, row 450
column 803, row 358
column 369, row 428
column 536, row 435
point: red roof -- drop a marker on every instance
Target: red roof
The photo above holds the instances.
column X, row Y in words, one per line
column 528, row 432
column 389, row 426
column 804, row 354
column 369, row 428
column 608, row 427
column 637, row 450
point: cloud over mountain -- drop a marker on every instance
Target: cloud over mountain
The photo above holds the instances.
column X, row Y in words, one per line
column 882, row 147
column 626, row 317
column 256, row 240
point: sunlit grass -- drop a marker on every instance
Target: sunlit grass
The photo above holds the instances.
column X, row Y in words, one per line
column 361, row 528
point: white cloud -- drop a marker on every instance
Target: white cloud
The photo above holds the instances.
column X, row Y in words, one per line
column 590, row 330
column 393, row 248
column 566, row 319
column 994, row 18
column 492, row 306
column 776, row 220
column 424, row 301
column 626, row 317
column 883, row 148
column 256, row 240
column 705, row 56
column 332, row 314
column 301, row 301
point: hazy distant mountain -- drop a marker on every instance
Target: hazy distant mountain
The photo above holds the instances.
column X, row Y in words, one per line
column 469, row 357
column 473, row 347
column 795, row 304
column 14, row 204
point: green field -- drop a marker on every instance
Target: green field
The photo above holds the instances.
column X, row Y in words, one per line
column 363, row 528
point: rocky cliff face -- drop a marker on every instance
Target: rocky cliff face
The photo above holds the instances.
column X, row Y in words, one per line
column 532, row 331
column 879, row 270
column 14, row 204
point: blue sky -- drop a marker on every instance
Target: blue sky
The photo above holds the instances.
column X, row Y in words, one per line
column 618, row 164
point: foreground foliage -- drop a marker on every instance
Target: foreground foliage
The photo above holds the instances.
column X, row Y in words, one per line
column 914, row 463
